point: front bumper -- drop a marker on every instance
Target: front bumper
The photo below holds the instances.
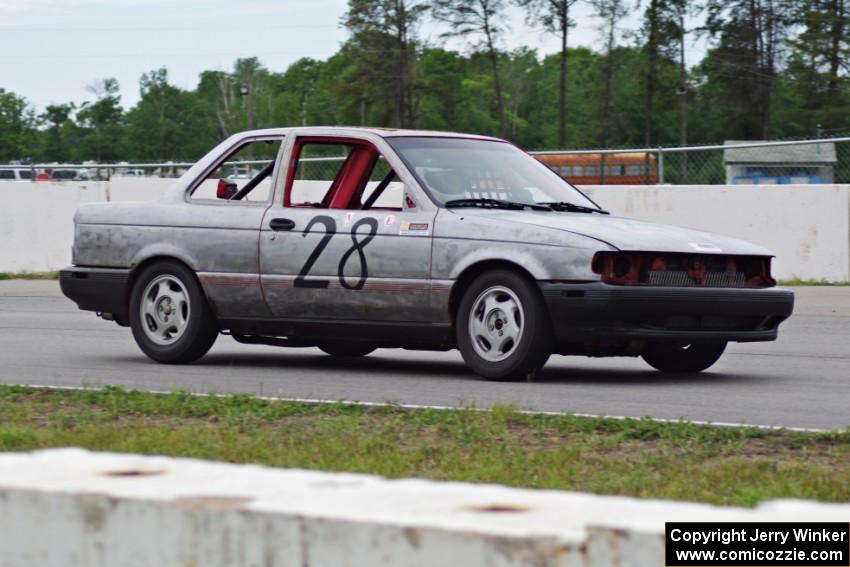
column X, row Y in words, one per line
column 593, row 311
column 97, row 289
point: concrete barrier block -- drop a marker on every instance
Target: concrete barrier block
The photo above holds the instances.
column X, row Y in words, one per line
column 73, row 508
column 806, row 226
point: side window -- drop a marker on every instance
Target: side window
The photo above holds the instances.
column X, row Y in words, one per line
column 7, row 174
column 392, row 191
column 340, row 175
column 318, row 168
column 244, row 175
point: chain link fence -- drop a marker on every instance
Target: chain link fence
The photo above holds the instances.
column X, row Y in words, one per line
column 825, row 160
column 311, row 168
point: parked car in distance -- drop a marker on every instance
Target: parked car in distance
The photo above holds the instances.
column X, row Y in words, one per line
column 128, row 172
column 16, row 174
column 352, row 239
column 60, row 174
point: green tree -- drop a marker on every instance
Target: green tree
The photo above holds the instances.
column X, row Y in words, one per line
column 554, row 16
column 750, row 34
column 582, row 111
column 62, row 134
column 383, row 48
column 102, row 122
column 519, row 68
column 168, row 123
column 18, row 132
column 293, row 93
column 437, row 97
column 243, row 99
column 610, row 12
column 330, row 100
column 820, row 61
column 660, row 34
column 217, row 96
column 480, row 20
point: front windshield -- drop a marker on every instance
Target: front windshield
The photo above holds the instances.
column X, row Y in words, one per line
column 460, row 168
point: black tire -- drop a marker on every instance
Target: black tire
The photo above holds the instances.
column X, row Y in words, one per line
column 347, row 349
column 200, row 330
column 683, row 357
column 523, row 358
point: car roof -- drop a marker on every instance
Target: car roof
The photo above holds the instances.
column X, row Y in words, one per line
column 354, row 130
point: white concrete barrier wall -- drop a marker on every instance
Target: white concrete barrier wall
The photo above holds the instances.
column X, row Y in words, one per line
column 72, row 508
column 37, row 219
column 807, row 226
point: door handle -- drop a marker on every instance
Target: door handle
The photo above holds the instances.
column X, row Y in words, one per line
column 279, row 225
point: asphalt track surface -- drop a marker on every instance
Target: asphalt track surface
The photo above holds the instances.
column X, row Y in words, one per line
column 801, row 380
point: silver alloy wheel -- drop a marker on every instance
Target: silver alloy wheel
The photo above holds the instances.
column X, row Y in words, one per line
column 496, row 323
column 164, row 309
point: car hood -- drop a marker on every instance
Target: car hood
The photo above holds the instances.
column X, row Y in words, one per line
column 627, row 234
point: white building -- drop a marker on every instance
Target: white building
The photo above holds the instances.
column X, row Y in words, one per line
column 794, row 164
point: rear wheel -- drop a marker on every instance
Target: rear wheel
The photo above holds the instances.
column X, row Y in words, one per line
column 346, row 349
column 169, row 315
column 503, row 329
column 683, row 357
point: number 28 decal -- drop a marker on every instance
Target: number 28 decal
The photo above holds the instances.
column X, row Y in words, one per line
column 358, row 245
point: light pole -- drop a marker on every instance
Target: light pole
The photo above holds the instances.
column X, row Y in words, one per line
column 246, row 90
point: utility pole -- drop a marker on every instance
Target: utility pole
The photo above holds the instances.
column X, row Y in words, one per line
column 247, row 89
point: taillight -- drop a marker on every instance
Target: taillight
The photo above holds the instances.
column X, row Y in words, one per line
column 682, row 270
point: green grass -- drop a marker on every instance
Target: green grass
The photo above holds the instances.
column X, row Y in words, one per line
column 642, row 458
column 29, row 276
column 799, row 282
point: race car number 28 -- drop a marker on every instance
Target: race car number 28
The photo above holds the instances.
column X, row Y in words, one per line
column 359, row 242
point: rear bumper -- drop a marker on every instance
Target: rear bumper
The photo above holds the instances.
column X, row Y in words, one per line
column 582, row 312
column 96, row 289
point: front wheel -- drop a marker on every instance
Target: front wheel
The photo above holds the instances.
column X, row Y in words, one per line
column 683, row 357
column 503, row 328
column 169, row 315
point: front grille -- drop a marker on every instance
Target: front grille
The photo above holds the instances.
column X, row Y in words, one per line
column 676, row 269
column 680, row 278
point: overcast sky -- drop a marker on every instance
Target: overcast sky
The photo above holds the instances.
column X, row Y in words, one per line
column 51, row 49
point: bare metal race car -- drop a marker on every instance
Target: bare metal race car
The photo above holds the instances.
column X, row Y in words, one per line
column 352, row 239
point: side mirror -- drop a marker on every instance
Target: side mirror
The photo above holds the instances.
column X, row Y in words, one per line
column 226, row 189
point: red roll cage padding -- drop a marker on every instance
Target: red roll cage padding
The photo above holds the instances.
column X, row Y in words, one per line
column 349, row 180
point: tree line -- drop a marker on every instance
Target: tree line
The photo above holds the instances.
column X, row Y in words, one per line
column 772, row 69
